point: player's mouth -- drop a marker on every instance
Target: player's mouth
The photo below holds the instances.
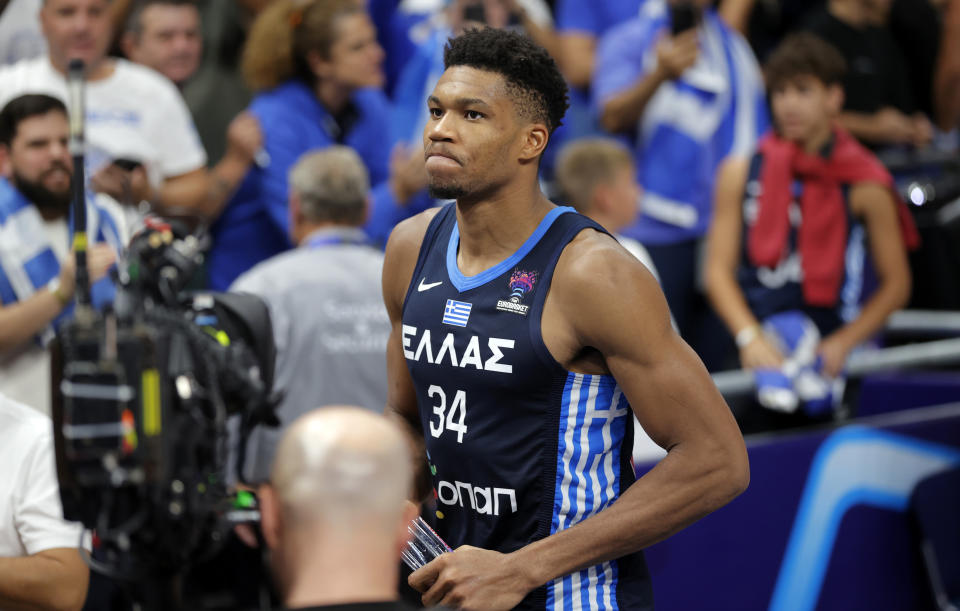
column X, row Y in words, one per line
column 438, row 159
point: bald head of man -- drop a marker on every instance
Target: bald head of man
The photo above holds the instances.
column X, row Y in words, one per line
column 335, row 512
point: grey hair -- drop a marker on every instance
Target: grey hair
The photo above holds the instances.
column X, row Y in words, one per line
column 332, row 184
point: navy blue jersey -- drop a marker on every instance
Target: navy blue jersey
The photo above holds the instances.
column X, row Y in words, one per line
column 772, row 290
column 519, row 447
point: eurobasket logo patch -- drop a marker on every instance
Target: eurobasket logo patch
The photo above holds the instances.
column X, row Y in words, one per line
column 521, row 283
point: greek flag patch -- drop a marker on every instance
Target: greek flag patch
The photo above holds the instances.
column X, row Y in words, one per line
column 457, row 313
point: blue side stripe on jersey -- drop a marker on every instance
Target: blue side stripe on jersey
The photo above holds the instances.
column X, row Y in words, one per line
column 465, row 283
column 593, row 415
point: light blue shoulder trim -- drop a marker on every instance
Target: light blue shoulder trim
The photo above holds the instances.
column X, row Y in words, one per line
column 465, row 283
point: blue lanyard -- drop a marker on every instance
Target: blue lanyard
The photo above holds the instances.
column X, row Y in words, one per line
column 333, row 240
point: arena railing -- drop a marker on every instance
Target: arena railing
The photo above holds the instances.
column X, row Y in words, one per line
column 935, row 353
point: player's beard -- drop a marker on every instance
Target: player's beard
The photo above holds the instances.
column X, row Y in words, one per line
column 451, row 190
column 51, row 204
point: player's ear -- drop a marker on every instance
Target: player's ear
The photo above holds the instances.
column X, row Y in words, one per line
column 535, row 138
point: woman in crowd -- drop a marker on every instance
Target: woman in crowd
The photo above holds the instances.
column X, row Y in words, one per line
column 316, row 69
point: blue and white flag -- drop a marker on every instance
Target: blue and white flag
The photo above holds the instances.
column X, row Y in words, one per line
column 457, row 313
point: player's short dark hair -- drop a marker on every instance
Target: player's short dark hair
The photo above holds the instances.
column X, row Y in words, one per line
column 804, row 54
column 23, row 107
column 532, row 76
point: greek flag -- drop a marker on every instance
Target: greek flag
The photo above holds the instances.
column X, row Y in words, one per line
column 457, row 313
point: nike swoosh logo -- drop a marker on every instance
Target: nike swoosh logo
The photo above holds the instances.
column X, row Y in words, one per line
column 426, row 287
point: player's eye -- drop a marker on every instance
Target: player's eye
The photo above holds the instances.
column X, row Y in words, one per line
column 473, row 115
column 436, row 113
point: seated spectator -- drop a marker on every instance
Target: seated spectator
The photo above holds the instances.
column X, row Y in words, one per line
column 317, row 67
column 335, row 513
column 879, row 108
column 132, row 114
column 329, row 322
column 36, row 268
column 686, row 101
column 40, row 567
column 165, row 35
column 794, row 220
column 20, row 35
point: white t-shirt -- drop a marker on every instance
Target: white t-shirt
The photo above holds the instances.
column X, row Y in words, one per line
column 20, row 35
column 134, row 113
column 31, row 516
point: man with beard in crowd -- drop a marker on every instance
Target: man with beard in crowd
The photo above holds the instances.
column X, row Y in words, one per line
column 36, row 273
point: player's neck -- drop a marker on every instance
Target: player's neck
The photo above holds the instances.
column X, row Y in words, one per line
column 493, row 228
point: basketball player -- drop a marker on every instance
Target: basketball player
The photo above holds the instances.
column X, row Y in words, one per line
column 522, row 336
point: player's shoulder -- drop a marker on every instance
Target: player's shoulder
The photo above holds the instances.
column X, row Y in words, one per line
column 402, row 252
column 409, row 233
column 594, row 260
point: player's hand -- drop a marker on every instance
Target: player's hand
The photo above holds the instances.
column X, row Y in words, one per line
column 760, row 354
column 129, row 187
column 472, row 578
column 677, row 53
column 834, row 350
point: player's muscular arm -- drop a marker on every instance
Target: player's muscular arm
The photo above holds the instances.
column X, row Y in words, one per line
column 399, row 262
column 599, row 291
column 603, row 298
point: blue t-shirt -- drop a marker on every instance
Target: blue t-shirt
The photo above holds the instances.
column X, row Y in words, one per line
column 594, row 16
column 519, row 447
column 715, row 109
